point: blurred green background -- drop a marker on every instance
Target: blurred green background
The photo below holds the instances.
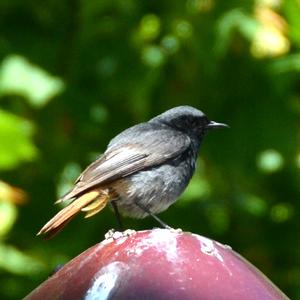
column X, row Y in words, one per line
column 75, row 73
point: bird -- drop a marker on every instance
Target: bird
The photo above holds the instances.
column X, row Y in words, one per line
column 142, row 172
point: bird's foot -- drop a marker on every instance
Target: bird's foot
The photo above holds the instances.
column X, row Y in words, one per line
column 109, row 234
column 113, row 234
column 174, row 230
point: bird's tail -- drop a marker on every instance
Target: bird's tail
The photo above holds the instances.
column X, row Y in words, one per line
column 91, row 203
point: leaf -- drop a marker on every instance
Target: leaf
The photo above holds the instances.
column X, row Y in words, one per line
column 16, row 143
column 234, row 21
column 8, row 216
column 19, row 76
column 17, row 262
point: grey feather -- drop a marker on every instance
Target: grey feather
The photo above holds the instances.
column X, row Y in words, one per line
column 137, row 148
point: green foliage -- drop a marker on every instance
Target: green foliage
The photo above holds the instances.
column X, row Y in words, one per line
column 16, row 262
column 8, row 215
column 16, row 140
column 18, row 76
column 75, row 73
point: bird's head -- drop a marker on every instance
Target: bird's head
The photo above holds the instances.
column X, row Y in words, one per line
column 188, row 120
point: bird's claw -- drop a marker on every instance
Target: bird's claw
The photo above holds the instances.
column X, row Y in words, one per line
column 113, row 234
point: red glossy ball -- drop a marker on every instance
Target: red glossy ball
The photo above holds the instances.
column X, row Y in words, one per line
column 158, row 264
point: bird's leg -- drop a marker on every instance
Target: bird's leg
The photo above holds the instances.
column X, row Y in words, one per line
column 145, row 209
column 118, row 216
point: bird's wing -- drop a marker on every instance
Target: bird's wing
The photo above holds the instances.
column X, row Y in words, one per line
column 128, row 155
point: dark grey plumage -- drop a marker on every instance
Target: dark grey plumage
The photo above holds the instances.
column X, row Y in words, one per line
column 148, row 164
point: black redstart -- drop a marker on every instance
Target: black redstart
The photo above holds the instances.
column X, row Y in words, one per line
column 143, row 170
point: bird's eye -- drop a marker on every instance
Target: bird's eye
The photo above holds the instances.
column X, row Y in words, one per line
column 205, row 121
column 194, row 123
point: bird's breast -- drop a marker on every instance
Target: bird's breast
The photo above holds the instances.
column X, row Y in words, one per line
column 157, row 187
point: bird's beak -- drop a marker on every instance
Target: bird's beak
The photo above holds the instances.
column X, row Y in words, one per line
column 213, row 125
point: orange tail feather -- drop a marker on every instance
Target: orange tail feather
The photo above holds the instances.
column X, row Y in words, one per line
column 66, row 214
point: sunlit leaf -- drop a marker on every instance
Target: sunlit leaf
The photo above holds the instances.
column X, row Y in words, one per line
column 269, row 42
column 16, row 140
column 297, row 160
column 153, row 56
column 270, row 161
column 11, row 193
column 8, row 216
column 17, row 262
column 234, row 21
column 149, row 27
column 19, row 76
column 292, row 11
